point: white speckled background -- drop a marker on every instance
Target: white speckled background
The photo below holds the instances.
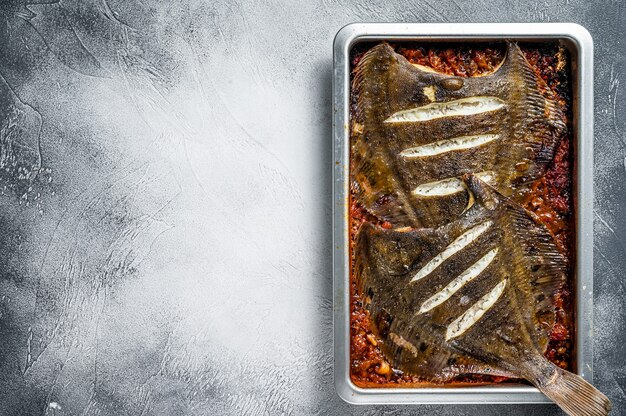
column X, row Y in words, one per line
column 165, row 172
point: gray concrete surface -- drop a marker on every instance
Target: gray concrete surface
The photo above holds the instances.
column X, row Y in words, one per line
column 165, row 202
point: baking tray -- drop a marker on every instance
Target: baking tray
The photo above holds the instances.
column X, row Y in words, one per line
column 580, row 45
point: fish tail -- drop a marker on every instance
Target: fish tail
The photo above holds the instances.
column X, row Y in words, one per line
column 572, row 393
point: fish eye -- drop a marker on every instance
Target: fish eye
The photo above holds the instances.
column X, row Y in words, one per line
column 452, row 84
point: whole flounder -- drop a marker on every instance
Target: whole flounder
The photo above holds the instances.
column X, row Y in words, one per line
column 473, row 296
column 415, row 132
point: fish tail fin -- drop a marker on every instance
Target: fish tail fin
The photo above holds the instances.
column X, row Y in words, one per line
column 573, row 394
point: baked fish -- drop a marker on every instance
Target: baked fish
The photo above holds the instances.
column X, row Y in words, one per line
column 473, row 296
column 415, row 132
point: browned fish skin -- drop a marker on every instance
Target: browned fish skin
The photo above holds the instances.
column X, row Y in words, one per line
column 528, row 126
column 387, row 261
column 398, row 273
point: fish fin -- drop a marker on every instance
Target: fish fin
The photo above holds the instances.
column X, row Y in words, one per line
column 572, row 393
column 377, row 183
column 383, row 51
column 539, row 119
column 377, row 186
column 538, row 245
column 543, row 275
column 545, row 267
column 539, row 98
column 482, row 369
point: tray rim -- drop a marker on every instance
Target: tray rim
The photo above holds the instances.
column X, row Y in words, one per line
column 578, row 38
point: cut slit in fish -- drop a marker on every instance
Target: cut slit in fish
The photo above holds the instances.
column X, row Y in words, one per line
column 461, row 107
column 448, row 186
column 417, row 130
column 503, row 328
column 467, row 276
column 448, row 145
column 455, row 246
column 475, row 312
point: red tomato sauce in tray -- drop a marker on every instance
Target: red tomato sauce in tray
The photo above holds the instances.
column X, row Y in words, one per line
column 550, row 198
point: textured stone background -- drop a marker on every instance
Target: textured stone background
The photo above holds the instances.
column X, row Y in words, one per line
column 165, row 242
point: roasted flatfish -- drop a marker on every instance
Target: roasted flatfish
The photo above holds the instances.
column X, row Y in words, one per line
column 473, row 296
column 415, row 132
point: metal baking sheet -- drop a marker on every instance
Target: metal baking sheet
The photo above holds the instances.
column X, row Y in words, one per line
column 578, row 41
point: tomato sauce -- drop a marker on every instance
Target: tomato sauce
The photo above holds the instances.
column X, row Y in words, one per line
column 549, row 198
